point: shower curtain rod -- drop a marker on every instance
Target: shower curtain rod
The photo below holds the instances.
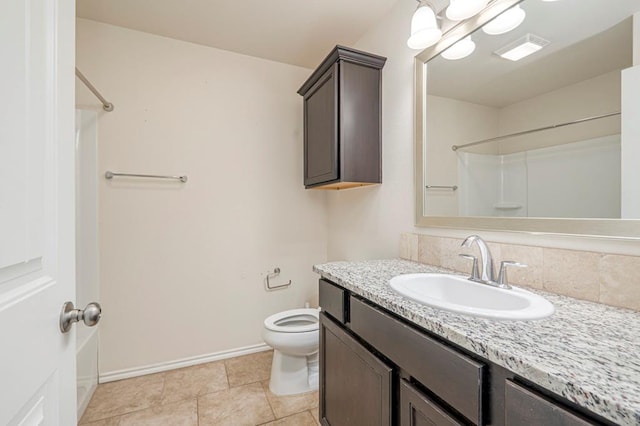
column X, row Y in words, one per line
column 106, row 105
column 526, row 132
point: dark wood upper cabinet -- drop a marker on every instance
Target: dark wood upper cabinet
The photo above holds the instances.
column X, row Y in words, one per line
column 342, row 121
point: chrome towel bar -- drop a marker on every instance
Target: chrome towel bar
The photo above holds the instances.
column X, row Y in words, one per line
column 110, row 175
column 451, row 187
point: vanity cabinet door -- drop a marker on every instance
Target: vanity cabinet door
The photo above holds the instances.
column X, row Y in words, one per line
column 355, row 386
column 416, row 409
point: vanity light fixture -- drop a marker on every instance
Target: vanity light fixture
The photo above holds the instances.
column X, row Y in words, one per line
column 461, row 49
column 463, row 9
column 522, row 47
column 425, row 31
column 506, row 21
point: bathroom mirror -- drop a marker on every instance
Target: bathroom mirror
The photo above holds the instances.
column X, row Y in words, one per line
column 532, row 144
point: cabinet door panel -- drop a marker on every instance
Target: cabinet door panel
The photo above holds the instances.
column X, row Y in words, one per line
column 321, row 130
column 355, row 386
column 417, row 409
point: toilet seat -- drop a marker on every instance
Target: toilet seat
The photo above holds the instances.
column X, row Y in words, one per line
column 293, row 321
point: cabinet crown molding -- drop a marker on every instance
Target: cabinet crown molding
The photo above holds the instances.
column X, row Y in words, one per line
column 342, row 53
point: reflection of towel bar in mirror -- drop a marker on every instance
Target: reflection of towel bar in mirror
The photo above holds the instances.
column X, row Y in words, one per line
column 274, row 274
column 451, row 187
column 540, row 129
column 110, row 175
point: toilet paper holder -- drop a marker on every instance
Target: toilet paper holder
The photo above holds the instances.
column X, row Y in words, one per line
column 271, row 275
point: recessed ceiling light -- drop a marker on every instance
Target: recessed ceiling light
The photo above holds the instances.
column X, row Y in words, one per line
column 506, row 21
column 522, row 47
column 459, row 50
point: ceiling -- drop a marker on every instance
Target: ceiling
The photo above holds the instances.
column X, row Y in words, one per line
column 588, row 38
column 291, row 31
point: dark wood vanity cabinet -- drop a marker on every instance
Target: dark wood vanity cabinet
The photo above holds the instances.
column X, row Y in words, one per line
column 342, row 121
column 378, row 369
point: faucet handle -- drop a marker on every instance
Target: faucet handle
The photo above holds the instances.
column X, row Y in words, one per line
column 503, row 282
column 475, row 273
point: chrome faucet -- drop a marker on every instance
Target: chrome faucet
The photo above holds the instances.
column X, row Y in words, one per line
column 485, row 258
column 488, row 272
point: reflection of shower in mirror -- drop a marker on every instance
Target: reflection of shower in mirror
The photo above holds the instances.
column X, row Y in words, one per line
column 579, row 179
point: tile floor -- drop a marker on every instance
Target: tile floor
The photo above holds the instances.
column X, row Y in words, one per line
column 234, row 392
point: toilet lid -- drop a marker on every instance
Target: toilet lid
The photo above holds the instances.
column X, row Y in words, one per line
column 293, row 321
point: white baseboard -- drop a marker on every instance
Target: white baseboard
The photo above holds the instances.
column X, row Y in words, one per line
column 111, row 376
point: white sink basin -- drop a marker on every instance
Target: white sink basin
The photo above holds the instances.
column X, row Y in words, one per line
column 457, row 294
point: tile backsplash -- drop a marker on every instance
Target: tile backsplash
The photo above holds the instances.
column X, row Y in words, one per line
column 598, row 277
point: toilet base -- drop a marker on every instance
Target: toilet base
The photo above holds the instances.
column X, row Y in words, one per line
column 292, row 375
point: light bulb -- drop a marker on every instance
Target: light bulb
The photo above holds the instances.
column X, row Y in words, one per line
column 424, row 29
column 506, row 21
column 459, row 50
column 463, row 9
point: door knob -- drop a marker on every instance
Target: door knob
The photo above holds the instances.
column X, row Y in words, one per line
column 90, row 315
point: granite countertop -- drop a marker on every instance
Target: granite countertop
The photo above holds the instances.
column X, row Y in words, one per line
column 587, row 352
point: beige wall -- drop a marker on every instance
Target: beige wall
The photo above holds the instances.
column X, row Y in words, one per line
column 365, row 223
column 182, row 266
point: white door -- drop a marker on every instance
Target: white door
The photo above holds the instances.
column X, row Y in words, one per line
column 37, row 361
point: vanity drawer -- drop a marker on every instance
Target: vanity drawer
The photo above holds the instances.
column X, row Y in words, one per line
column 333, row 300
column 523, row 406
column 452, row 376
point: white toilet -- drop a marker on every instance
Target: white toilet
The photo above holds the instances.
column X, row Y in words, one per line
column 294, row 337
